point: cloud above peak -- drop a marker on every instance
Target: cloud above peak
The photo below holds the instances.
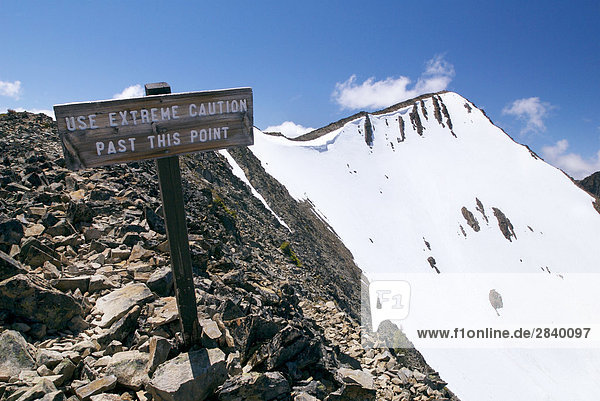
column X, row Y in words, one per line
column 376, row 94
column 572, row 163
column 10, row 89
column 530, row 110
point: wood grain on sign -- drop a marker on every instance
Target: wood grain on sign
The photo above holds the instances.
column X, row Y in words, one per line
column 116, row 131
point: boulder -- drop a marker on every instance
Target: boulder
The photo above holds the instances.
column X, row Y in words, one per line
column 115, row 305
column 30, row 298
column 191, row 376
column 255, row 386
column 14, row 355
column 129, row 367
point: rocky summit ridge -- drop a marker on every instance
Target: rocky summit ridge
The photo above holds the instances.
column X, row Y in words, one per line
column 87, row 310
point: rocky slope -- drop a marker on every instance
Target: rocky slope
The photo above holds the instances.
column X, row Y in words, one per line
column 591, row 184
column 86, row 292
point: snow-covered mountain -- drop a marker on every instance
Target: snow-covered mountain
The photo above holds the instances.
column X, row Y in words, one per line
column 431, row 193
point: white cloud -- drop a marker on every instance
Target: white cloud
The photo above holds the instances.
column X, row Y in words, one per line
column 289, row 129
column 130, row 91
column 374, row 94
column 10, row 89
column 532, row 111
column 575, row 165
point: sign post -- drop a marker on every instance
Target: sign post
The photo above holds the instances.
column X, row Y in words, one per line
column 160, row 126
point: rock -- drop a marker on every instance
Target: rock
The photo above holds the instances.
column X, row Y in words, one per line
column 191, row 376
column 230, row 311
column 11, row 232
column 120, row 253
column 79, row 212
column 50, row 271
column 122, row 327
column 129, row 368
column 98, row 386
column 161, row 281
column 9, row 267
column 255, row 386
column 155, row 222
column 48, row 358
column 54, row 396
column 38, row 391
column 99, row 282
column 34, row 230
column 210, row 333
column 35, row 254
column 302, row 396
column 356, row 376
column 115, row 305
column 14, row 355
column 159, row 352
column 65, row 370
column 91, row 234
column 166, row 313
column 112, row 348
column 72, row 283
column 24, row 297
column 352, row 392
column 48, row 219
column 60, row 228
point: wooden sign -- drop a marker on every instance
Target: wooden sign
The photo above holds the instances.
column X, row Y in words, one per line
column 117, row 131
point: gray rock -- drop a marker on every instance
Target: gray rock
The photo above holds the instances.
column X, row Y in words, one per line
column 210, row 333
column 161, row 281
column 98, row 282
column 159, row 352
column 14, row 355
column 255, row 386
column 356, row 376
column 9, row 267
column 191, row 376
column 44, row 387
column 115, row 305
column 49, row 358
column 112, row 348
column 98, row 386
column 302, row 396
column 122, row 327
column 129, row 368
column 29, row 299
column 54, row 396
column 65, row 370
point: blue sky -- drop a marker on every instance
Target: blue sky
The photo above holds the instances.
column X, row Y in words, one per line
column 532, row 66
